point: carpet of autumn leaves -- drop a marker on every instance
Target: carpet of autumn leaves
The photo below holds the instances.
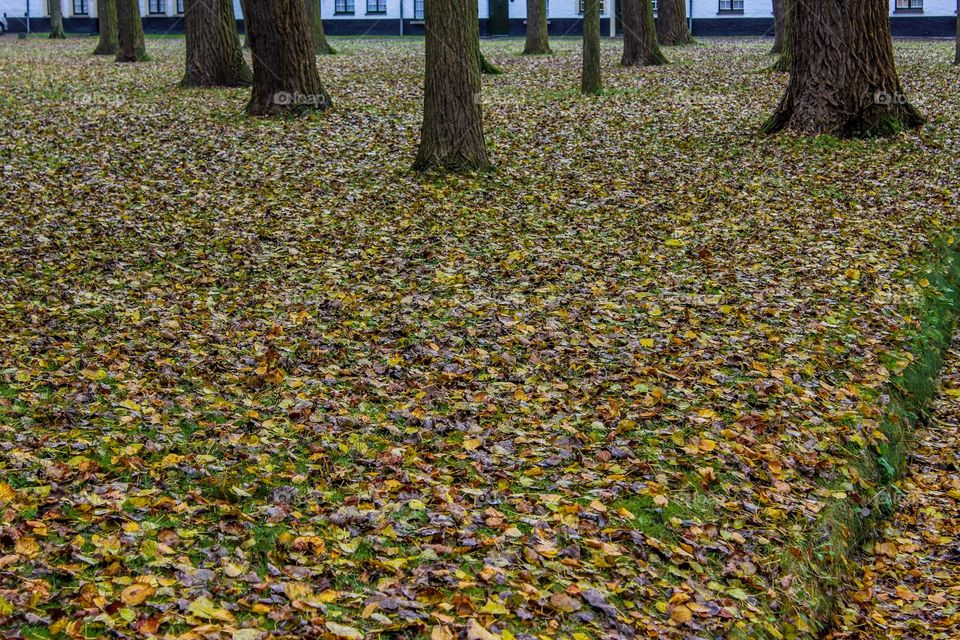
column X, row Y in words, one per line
column 910, row 585
column 257, row 380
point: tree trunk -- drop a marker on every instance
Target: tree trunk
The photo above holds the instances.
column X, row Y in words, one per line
column 956, row 56
column 109, row 42
column 778, row 31
column 537, row 28
column 487, row 67
column 640, row 48
column 130, row 32
column 56, row 20
column 285, row 77
column 247, row 37
column 672, row 27
column 316, row 28
column 783, row 34
column 214, row 56
column 843, row 79
column 591, row 82
column 451, row 136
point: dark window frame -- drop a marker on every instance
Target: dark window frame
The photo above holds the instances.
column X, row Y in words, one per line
column 344, row 7
column 603, row 7
column 81, row 8
column 157, row 7
column 908, row 6
column 730, row 6
column 376, row 7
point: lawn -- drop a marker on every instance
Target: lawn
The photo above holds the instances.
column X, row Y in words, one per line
column 256, row 375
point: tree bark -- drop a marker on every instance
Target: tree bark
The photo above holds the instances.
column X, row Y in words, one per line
column 591, row 82
column 783, row 62
column 778, row 31
column 956, row 56
column 130, row 32
column 672, row 27
column 56, row 20
column 247, row 37
column 843, row 79
column 109, row 42
column 285, row 77
column 451, row 136
column 214, row 56
column 487, row 67
column 320, row 43
column 640, row 48
column 537, row 42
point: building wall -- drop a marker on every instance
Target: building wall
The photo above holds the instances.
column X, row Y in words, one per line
column 748, row 17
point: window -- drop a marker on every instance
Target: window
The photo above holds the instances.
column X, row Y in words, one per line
column 418, row 9
column 80, row 7
column 603, row 4
column 343, row 6
column 179, row 7
column 909, row 5
column 376, row 6
column 157, row 7
column 731, row 5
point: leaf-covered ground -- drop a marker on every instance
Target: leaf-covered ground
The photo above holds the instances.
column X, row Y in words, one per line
column 910, row 586
column 255, row 376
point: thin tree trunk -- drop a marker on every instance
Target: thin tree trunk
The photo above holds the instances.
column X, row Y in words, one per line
column 285, row 77
column 316, row 28
column 843, row 79
column 591, row 82
column 130, row 32
column 451, row 136
column 109, row 42
column 56, row 20
column 214, row 56
column 537, row 42
column 778, row 31
column 783, row 62
column 640, row 48
column 672, row 27
column 956, row 56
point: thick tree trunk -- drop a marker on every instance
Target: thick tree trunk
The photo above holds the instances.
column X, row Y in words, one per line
column 591, row 82
column 843, row 79
column 451, row 136
column 640, row 48
column 487, row 67
column 214, row 56
column 130, row 32
column 109, row 42
column 537, row 28
column 56, row 20
column 285, row 77
column 672, row 27
column 320, row 43
column 778, row 31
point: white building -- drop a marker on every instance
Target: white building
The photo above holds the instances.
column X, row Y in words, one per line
column 915, row 18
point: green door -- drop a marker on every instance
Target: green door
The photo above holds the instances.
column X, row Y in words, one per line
column 498, row 23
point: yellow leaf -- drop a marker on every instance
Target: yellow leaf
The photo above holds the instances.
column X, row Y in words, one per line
column 647, row 342
column 342, row 630
column 203, row 607
column 471, row 443
column 493, row 608
column 476, row 631
column 136, row 594
column 681, row 614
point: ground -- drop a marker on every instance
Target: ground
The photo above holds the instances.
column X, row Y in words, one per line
column 256, row 375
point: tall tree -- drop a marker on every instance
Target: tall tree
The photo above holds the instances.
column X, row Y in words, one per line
column 672, row 27
column 782, row 25
column 537, row 28
column 109, row 42
column 214, row 56
column 640, row 48
column 778, row 31
column 843, row 80
column 316, row 28
column 285, row 77
column 56, row 19
column 591, row 82
column 130, row 32
column 451, row 136
column 956, row 56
